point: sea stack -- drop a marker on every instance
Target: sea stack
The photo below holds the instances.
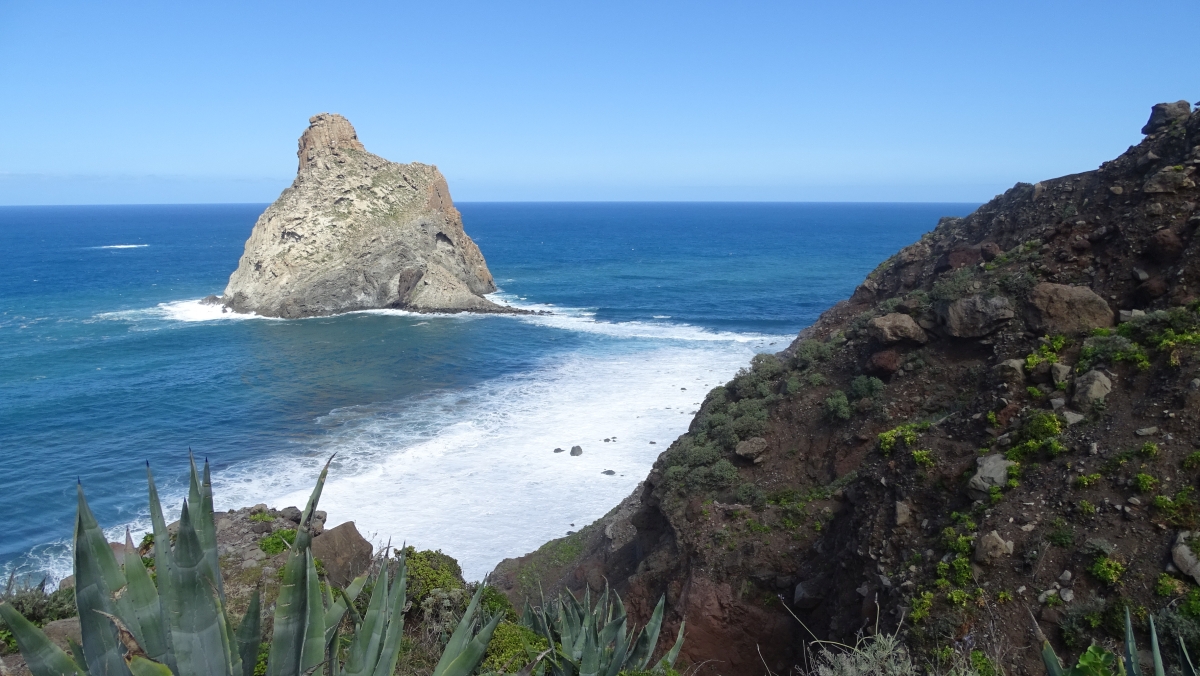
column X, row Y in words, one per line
column 357, row 232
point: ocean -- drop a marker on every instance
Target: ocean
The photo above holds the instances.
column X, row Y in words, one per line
column 444, row 426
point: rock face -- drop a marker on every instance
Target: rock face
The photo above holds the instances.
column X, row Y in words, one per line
column 356, row 232
column 1058, row 308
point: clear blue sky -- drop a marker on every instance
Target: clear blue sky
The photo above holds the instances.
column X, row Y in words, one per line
column 118, row 102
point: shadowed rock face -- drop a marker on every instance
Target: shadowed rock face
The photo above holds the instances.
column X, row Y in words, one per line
column 356, row 232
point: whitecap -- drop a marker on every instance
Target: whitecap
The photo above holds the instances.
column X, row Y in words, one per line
column 121, row 246
column 473, row 472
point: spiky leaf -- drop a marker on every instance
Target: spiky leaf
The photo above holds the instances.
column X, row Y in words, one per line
column 42, row 656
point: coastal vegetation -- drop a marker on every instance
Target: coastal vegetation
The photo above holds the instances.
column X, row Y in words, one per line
column 168, row 613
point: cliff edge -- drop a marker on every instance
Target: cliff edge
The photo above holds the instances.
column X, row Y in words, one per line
column 357, row 232
column 999, row 425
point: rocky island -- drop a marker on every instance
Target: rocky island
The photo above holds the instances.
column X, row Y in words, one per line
column 357, row 232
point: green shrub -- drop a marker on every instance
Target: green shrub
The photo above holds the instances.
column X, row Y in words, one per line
column 496, row 603
column 507, row 652
column 749, row 494
column 837, row 407
column 429, row 570
column 921, row 605
column 262, row 517
column 809, row 352
column 1145, row 482
column 1087, row 480
column 816, row 379
column 278, row 541
column 866, row 387
column 1181, row 510
column 907, row 433
column 923, row 458
column 1108, row 570
column 1192, row 461
column 1148, row 450
column 1169, row 586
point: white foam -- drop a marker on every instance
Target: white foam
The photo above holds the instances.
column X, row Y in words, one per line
column 474, row 472
column 121, row 246
column 181, row 311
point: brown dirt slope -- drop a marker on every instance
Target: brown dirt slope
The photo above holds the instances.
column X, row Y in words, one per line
column 1002, row 420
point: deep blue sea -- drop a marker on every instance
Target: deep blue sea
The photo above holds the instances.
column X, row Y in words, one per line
column 444, row 425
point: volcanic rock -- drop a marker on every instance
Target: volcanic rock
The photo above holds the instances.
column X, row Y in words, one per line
column 357, row 232
column 1164, row 114
column 975, row 316
column 345, row 553
column 1057, row 308
column 1090, row 388
column 895, row 328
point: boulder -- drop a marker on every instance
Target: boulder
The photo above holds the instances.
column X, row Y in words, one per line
column 989, row 250
column 1060, row 373
column 1072, row 417
column 1010, row 371
column 810, row 593
column 345, row 553
column 1169, row 180
column 1058, row 308
column 60, row 631
column 896, row 328
column 974, row 316
column 883, row 363
column 992, row 547
column 67, row 582
column 292, row 514
column 903, row 513
column 1184, row 558
column 1155, row 287
column 1090, row 388
column 754, row 448
column 1162, row 115
column 991, row 470
column 577, row 450
column 1164, row 246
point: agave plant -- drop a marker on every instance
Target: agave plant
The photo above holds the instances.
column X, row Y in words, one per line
column 595, row 640
column 1096, row 661
column 175, row 623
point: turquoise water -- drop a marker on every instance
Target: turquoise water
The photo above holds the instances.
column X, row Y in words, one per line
column 444, row 426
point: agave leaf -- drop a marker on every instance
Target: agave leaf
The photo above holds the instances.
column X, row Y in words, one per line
column 648, row 639
column 291, row 610
column 364, row 647
column 42, row 656
column 589, row 660
column 1050, row 660
column 249, row 634
column 342, row 602
column 198, row 634
column 1185, row 660
column 1131, row 653
column 140, row 605
column 233, row 658
column 462, row 633
column 314, row 631
column 141, row 666
column 465, row 660
column 390, row 652
column 76, row 652
column 1154, row 652
column 206, row 528
column 668, row 660
column 164, row 564
column 288, row 640
column 97, row 578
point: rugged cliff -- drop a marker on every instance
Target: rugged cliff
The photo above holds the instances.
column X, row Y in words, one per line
column 1002, row 420
column 355, row 232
